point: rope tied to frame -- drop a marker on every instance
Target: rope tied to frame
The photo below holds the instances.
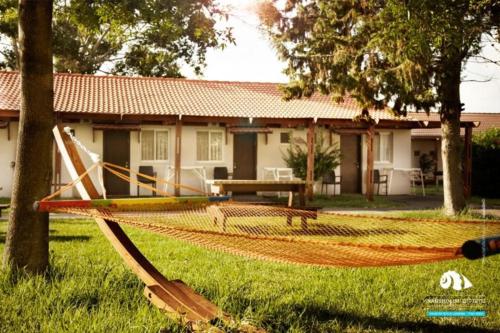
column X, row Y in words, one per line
column 94, row 157
column 118, row 171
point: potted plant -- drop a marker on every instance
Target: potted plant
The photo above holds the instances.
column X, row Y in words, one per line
column 326, row 158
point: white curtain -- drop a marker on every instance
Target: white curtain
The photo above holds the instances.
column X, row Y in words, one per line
column 383, row 147
column 216, row 146
column 202, row 146
column 162, row 145
column 147, row 145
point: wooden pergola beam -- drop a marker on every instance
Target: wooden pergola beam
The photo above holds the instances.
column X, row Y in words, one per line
column 178, row 146
column 369, row 162
column 467, row 172
column 310, row 160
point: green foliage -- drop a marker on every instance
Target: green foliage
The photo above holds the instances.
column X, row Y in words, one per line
column 326, row 158
column 88, row 289
column 126, row 37
column 391, row 53
column 489, row 139
column 426, row 163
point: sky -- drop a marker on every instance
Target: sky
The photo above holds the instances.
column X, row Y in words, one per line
column 254, row 59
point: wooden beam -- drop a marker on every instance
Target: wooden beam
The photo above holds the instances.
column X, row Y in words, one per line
column 9, row 114
column 178, row 146
column 57, row 169
column 369, row 162
column 351, row 131
column 437, row 142
column 310, row 160
column 467, row 172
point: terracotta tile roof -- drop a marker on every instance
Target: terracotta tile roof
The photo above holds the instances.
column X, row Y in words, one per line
column 487, row 121
column 91, row 94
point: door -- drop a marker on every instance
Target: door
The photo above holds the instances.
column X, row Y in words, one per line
column 245, row 156
column 350, row 167
column 116, row 150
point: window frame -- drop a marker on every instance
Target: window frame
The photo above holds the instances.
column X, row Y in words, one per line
column 155, row 130
column 390, row 141
column 289, row 138
column 210, row 131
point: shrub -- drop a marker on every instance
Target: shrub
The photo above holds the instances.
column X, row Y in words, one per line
column 427, row 163
column 326, row 158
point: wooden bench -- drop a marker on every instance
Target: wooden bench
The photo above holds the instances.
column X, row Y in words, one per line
column 3, row 206
column 222, row 213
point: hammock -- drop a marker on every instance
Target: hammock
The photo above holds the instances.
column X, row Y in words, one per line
column 287, row 235
column 275, row 233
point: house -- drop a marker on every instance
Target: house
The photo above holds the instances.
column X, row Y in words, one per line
column 185, row 128
column 428, row 140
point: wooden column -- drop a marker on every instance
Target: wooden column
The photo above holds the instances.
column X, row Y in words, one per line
column 369, row 162
column 178, row 145
column 467, row 172
column 57, row 169
column 310, row 160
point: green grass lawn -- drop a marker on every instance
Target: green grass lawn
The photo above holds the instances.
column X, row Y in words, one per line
column 351, row 201
column 88, row 289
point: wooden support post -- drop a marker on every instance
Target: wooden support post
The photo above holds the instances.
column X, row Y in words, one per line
column 310, row 160
column 437, row 155
column 467, row 172
column 369, row 162
column 57, row 169
column 178, row 146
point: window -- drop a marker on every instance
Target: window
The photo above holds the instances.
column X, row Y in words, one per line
column 154, row 145
column 285, row 137
column 383, row 147
column 209, row 146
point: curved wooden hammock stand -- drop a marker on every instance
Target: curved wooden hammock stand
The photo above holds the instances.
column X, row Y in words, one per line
column 174, row 297
column 178, row 300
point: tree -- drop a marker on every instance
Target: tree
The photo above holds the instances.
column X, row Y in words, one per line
column 26, row 245
column 124, row 37
column 401, row 55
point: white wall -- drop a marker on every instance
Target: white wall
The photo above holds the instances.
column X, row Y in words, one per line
column 268, row 155
column 7, row 158
column 401, row 158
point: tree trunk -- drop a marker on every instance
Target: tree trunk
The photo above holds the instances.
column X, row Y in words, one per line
column 26, row 245
column 451, row 148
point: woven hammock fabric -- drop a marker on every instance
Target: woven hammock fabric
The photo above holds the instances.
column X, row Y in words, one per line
column 296, row 236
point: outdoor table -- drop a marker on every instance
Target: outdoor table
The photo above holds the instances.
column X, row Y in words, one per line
column 413, row 172
column 235, row 185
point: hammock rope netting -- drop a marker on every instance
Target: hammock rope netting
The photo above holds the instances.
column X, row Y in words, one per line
column 283, row 234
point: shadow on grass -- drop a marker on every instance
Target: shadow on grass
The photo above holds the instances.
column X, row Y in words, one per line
column 55, row 238
column 320, row 229
column 315, row 316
